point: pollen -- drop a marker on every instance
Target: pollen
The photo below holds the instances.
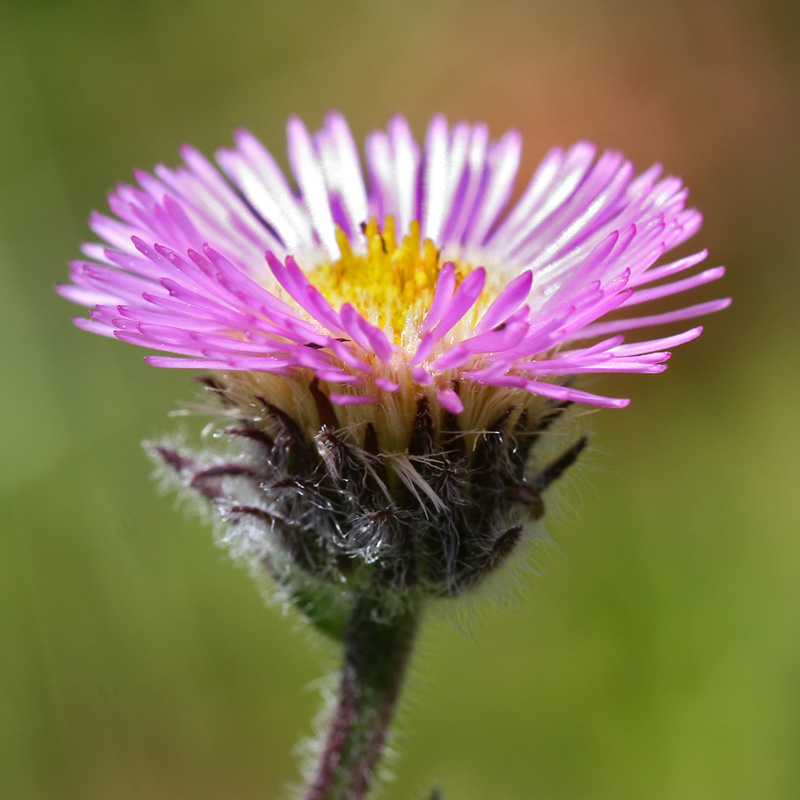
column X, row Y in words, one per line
column 391, row 284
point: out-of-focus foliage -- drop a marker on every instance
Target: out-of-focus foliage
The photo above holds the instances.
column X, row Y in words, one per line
column 657, row 657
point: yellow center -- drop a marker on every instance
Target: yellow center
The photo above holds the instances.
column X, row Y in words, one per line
column 391, row 284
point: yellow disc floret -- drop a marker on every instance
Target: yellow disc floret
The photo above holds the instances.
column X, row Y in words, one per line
column 390, row 284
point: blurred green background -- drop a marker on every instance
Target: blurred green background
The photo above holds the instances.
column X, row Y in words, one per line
column 659, row 654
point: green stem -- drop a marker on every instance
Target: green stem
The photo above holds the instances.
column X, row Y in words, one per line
column 375, row 655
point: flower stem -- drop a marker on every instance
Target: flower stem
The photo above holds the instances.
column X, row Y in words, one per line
column 376, row 651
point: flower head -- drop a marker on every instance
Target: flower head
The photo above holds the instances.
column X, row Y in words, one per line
column 403, row 334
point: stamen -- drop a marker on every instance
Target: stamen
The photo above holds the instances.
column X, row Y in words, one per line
column 390, row 284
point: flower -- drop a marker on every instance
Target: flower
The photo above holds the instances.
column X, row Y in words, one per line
column 393, row 345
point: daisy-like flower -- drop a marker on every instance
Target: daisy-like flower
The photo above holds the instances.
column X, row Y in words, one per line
column 387, row 350
column 393, row 343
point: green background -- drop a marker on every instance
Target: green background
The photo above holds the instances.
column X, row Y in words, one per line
column 657, row 656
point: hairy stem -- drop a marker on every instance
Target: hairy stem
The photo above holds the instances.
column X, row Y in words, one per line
column 376, row 651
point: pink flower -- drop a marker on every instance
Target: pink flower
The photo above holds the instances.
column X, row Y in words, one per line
column 390, row 348
column 417, row 279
